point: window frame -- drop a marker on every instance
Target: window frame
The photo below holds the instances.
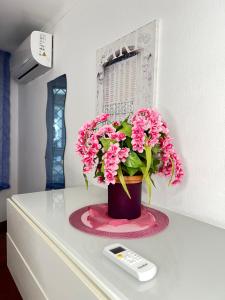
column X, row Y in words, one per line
column 52, row 182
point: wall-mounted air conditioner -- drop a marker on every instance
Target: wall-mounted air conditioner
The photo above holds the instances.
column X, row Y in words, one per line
column 33, row 57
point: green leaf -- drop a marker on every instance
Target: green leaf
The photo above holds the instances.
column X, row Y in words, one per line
column 148, row 153
column 172, row 171
column 122, row 181
column 97, row 174
column 153, row 182
column 133, row 161
column 102, row 167
column 106, row 143
column 148, row 184
column 156, row 149
column 154, row 165
column 132, row 171
column 126, row 128
column 149, row 188
column 86, row 180
column 126, row 120
column 124, row 169
column 143, row 155
column 128, row 142
column 116, row 127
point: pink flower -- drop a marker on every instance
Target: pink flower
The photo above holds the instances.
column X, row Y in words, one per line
column 148, row 129
column 108, row 131
column 138, row 135
column 118, row 136
column 109, row 178
column 88, row 145
column 143, row 114
column 111, row 163
column 179, row 172
column 147, row 125
column 100, row 179
column 105, row 130
column 116, row 123
column 123, row 154
column 165, row 129
column 170, row 159
column 112, row 158
column 102, row 118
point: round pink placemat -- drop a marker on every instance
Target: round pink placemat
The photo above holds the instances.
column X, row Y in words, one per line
column 93, row 219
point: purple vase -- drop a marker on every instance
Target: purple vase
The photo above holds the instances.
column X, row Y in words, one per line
column 120, row 206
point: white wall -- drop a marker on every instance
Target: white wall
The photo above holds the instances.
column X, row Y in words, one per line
column 13, row 150
column 191, row 92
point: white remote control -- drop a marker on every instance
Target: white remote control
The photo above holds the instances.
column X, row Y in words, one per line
column 130, row 261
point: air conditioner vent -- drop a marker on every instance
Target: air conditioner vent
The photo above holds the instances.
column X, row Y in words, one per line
column 33, row 57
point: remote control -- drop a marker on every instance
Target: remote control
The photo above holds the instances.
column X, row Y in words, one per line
column 131, row 262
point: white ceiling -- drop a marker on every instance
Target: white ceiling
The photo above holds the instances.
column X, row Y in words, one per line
column 19, row 17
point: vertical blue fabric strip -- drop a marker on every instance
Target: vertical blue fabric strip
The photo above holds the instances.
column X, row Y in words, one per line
column 4, row 119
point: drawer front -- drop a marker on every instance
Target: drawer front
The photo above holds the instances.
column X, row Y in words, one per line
column 25, row 281
column 57, row 275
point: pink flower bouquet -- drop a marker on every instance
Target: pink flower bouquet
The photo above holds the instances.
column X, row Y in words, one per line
column 139, row 145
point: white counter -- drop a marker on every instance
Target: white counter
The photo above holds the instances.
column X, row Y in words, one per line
column 190, row 255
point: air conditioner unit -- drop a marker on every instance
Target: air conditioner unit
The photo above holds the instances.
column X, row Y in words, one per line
column 33, row 57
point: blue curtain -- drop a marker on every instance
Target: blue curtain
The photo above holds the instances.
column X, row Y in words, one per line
column 4, row 119
column 56, row 133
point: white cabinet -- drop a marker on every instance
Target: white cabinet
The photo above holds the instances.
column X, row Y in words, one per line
column 39, row 268
column 50, row 259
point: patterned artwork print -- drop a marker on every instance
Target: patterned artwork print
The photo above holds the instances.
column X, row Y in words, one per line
column 126, row 73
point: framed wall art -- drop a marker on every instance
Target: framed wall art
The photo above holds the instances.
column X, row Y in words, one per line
column 126, row 73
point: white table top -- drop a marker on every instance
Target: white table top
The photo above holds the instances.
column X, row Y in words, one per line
column 190, row 255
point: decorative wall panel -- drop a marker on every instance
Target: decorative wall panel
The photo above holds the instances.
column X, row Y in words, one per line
column 126, row 73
